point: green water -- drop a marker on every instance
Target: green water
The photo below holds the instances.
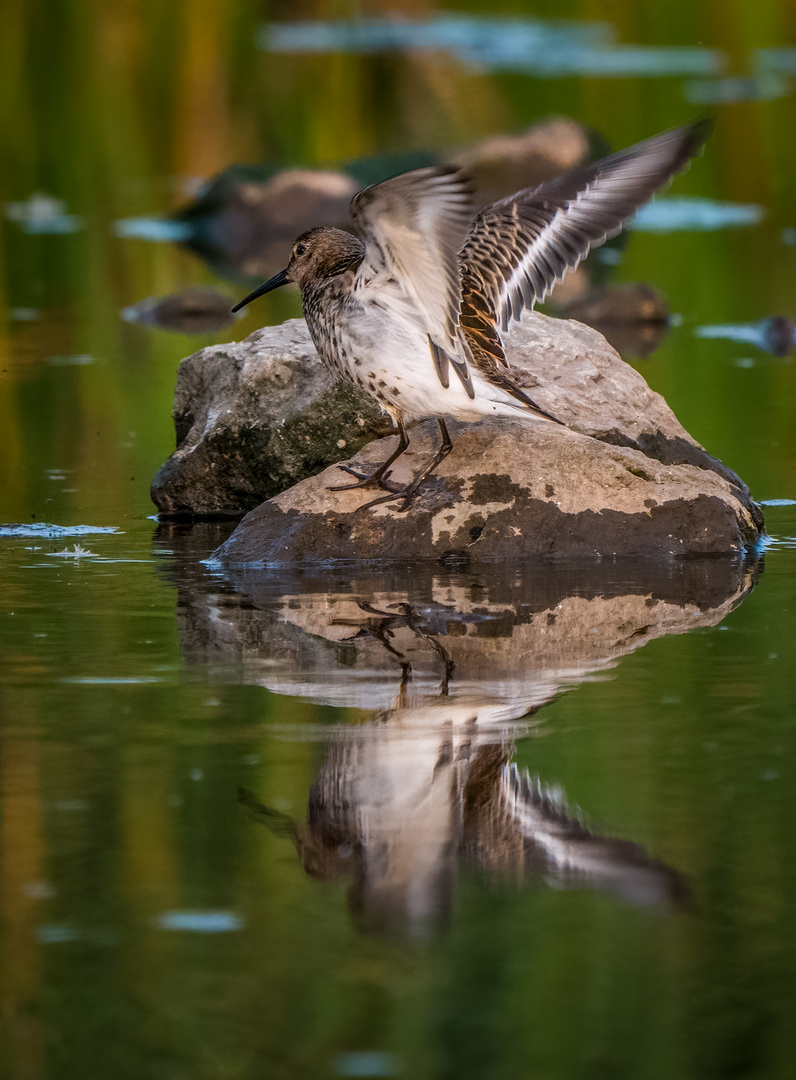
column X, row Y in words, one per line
column 381, row 900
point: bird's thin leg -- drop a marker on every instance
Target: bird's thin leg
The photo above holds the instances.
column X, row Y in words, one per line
column 408, row 493
column 376, row 477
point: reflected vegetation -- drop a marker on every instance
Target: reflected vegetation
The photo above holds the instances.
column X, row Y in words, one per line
column 453, row 668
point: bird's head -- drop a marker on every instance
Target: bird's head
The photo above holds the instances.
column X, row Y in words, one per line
column 316, row 255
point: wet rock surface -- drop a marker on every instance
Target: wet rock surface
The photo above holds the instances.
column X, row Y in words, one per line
column 622, row 478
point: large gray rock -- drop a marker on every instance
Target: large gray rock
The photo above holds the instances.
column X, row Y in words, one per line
column 623, row 478
column 254, row 417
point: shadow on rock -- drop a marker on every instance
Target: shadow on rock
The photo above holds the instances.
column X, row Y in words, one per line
column 452, row 668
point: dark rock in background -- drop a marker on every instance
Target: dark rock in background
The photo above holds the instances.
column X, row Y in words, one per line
column 634, row 319
column 503, row 164
column 244, row 223
column 247, row 226
column 194, row 310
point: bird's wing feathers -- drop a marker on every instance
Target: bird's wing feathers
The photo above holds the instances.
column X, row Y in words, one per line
column 413, row 227
column 519, row 247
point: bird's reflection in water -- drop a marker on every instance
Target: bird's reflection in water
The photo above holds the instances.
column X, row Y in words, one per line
column 453, row 668
column 401, row 847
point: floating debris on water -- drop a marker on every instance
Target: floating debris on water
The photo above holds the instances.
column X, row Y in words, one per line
column 77, row 552
column 43, row 531
column 43, row 214
column 695, row 214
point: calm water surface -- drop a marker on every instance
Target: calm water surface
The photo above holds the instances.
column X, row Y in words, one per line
column 514, row 822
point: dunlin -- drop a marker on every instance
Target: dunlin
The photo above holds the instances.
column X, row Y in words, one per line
column 412, row 309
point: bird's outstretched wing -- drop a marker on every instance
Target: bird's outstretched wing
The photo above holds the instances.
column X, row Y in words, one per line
column 519, row 247
column 413, row 227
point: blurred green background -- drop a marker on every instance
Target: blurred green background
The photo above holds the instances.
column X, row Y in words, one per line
column 120, row 758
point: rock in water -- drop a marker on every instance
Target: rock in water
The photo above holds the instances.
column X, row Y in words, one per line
column 254, row 417
column 623, row 478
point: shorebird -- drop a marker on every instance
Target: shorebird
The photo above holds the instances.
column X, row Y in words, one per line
column 413, row 308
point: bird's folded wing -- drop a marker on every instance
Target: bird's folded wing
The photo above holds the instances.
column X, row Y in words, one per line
column 519, row 247
column 413, row 227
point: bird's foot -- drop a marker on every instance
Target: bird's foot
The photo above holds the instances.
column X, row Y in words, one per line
column 406, row 493
column 364, row 480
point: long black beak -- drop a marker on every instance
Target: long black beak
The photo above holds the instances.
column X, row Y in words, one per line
column 273, row 283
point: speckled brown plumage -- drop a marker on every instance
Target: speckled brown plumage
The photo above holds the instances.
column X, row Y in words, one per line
column 412, row 310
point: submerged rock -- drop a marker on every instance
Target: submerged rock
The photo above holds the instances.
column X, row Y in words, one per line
column 622, row 478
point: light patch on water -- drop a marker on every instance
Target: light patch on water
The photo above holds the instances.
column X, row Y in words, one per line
column 695, row 214
column 609, row 256
column 110, row 680
column 43, row 531
column 768, row 86
column 72, row 360
column 776, row 335
column 162, row 230
column 201, row 922
column 39, row 890
column 367, row 1063
column 778, row 502
column 541, row 48
column 783, row 60
column 43, row 214
column 57, row 935
column 751, row 333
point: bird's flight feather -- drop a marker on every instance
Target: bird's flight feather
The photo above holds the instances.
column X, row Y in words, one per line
column 519, row 247
column 413, row 227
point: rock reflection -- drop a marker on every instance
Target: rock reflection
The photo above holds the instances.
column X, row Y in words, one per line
column 454, row 667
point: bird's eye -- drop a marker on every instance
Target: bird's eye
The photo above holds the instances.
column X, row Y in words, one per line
column 300, row 249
